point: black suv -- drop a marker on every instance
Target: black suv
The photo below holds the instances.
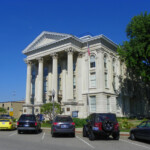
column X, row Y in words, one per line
column 28, row 122
column 101, row 124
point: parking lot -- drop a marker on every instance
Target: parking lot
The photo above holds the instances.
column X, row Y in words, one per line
column 11, row 140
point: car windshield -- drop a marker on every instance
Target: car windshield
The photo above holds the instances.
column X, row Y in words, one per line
column 63, row 119
column 27, row 117
column 104, row 117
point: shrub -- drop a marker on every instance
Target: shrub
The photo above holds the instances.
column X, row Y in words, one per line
column 79, row 122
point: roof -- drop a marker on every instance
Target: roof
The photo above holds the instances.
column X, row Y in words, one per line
column 49, row 38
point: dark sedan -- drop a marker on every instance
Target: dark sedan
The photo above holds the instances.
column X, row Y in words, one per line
column 142, row 131
column 63, row 125
column 28, row 122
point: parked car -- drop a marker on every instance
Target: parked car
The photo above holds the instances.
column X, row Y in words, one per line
column 28, row 122
column 101, row 124
column 5, row 116
column 7, row 124
column 142, row 131
column 63, row 125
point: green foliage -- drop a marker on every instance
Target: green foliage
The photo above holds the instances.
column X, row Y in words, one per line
column 136, row 51
column 3, row 110
column 125, row 124
column 79, row 122
column 47, row 109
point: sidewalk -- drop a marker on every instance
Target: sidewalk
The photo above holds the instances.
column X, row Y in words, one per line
column 79, row 130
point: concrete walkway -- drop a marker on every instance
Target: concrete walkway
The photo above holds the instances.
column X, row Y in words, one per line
column 79, row 130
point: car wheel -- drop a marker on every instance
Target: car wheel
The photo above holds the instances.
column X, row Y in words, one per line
column 132, row 136
column 116, row 137
column 84, row 132
column 53, row 135
column 19, row 132
column 73, row 134
column 91, row 136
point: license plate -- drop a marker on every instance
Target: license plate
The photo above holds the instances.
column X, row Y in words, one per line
column 64, row 126
column 95, row 128
column 26, row 125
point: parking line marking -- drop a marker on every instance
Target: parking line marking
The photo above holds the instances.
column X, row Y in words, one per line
column 135, row 144
column 12, row 134
column 43, row 135
column 85, row 142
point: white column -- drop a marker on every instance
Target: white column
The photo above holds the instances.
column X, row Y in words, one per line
column 79, row 77
column 100, row 69
column 28, row 83
column 55, row 76
column 70, row 74
column 64, row 82
column 40, row 82
column 49, row 80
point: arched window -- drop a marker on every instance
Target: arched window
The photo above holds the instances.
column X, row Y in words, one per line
column 92, row 61
column 113, row 65
column 105, row 61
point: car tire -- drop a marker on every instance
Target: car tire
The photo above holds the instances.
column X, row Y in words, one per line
column 19, row 132
column 132, row 136
column 53, row 134
column 73, row 134
column 91, row 136
column 84, row 132
column 116, row 137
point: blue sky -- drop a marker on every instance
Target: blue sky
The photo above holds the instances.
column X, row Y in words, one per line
column 21, row 21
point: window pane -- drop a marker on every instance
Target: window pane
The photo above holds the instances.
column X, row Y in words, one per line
column 92, row 103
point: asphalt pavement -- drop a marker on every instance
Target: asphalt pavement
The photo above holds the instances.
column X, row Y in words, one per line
column 11, row 140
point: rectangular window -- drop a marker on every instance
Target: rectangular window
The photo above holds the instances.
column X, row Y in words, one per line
column 92, row 80
column 114, row 82
column 108, row 104
column 74, row 82
column 45, row 86
column 92, row 103
column 106, row 86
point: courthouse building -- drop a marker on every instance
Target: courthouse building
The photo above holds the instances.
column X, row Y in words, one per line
column 83, row 83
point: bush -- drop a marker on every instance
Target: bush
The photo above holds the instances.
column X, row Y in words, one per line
column 125, row 124
column 79, row 122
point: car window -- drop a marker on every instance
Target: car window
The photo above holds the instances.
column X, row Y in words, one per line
column 148, row 124
column 110, row 117
column 143, row 124
column 28, row 117
column 63, row 119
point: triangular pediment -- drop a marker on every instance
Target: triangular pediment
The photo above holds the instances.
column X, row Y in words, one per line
column 45, row 38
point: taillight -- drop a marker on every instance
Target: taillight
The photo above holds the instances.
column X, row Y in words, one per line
column 9, row 123
column 55, row 123
column 17, row 123
column 35, row 123
column 116, row 126
column 73, row 123
column 99, row 125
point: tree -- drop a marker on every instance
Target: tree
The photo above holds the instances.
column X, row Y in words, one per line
column 47, row 109
column 136, row 51
column 3, row 110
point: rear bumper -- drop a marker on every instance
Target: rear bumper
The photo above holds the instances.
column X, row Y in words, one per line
column 27, row 128
column 55, row 130
column 102, row 133
column 6, row 127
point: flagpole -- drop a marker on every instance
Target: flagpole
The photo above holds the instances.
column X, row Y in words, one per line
column 88, row 102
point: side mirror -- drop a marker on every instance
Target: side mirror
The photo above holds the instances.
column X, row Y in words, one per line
column 137, row 126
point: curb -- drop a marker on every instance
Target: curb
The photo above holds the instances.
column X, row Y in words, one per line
column 77, row 131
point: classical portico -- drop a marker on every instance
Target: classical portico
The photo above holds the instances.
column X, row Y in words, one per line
column 61, row 62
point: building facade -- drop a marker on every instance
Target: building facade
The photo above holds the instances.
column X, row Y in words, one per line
column 83, row 83
column 13, row 106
